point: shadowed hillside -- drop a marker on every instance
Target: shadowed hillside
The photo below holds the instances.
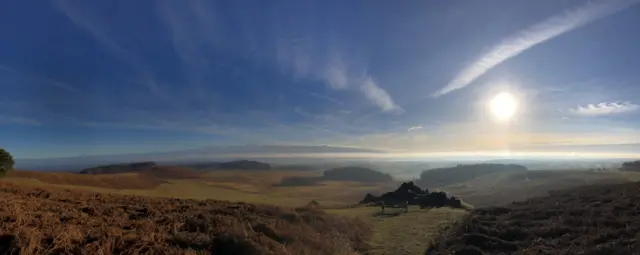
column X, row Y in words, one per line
column 118, row 168
column 109, row 181
column 56, row 221
column 506, row 187
column 439, row 177
column 594, row 219
column 148, row 169
column 231, row 165
column 633, row 166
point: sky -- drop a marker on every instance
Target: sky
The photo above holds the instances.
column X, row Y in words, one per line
column 113, row 77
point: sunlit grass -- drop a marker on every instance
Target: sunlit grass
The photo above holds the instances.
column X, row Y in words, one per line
column 401, row 233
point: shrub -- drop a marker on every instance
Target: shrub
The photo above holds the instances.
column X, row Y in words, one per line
column 6, row 162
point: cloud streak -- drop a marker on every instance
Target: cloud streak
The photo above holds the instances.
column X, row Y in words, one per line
column 39, row 78
column 379, row 96
column 4, row 119
column 539, row 33
column 335, row 73
column 414, row 128
column 604, row 108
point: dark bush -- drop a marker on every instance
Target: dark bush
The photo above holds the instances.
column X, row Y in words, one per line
column 6, row 162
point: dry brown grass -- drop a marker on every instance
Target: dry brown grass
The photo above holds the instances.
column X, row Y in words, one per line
column 53, row 221
column 594, row 219
column 145, row 179
column 111, row 181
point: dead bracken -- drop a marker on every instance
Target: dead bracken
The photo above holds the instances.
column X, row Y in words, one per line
column 587, row 220
column 54, row 221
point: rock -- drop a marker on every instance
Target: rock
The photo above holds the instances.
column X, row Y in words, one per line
column 409, row 193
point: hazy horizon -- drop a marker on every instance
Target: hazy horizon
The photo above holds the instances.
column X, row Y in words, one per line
column 419, row 80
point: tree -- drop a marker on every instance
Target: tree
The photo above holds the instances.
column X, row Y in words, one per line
column 6, row 162
column 631, row 166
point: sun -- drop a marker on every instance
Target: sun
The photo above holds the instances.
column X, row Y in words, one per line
column 503, row 106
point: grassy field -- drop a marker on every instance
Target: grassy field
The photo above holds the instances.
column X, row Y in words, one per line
column 245, row 186
column 504, row 188
column 396, row 232
column 393, row 233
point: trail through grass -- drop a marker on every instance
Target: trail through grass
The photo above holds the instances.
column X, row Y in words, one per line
column 396, row 232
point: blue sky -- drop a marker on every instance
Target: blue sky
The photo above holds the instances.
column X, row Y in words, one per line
column 105, row 77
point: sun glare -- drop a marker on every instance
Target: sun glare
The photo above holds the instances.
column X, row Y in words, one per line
column 503, row 106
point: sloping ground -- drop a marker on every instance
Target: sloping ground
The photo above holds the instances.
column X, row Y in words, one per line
column 110, row 181
column 147, row 178
column 54, row 221
column 504, row 188
column 595, row 219
column 398, row 233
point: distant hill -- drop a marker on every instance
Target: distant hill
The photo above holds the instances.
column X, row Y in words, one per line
column 119, row 168
column 358, row 174
column 244, row 165
column 633, row 166
column 297, row 167
column 439, row 177
column 231, row 165
column 354, row 174
column 149, row 169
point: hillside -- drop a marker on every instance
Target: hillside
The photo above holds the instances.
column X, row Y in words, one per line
column 231, row 165
column 358, row 174
column 439, row 177
column 505, row 187
column 118, row 168
column 594, row 219
column 350, row 174
column 62, row 221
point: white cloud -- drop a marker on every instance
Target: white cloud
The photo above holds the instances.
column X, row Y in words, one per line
column 604, row 108
column 335, row 73
column 414, row 128
column 539, row 33
column 378, row 96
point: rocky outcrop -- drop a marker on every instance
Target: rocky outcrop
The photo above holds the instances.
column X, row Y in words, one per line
column 413, row 195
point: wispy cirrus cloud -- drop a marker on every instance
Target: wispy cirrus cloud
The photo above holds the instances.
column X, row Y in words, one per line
column 605, row 108
column 102, row 34
column 338, row 71
column 414, row 128
column 39, row 78
column 4, row 119
column 379, row 96
column 335, row 73
column 539, row 33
